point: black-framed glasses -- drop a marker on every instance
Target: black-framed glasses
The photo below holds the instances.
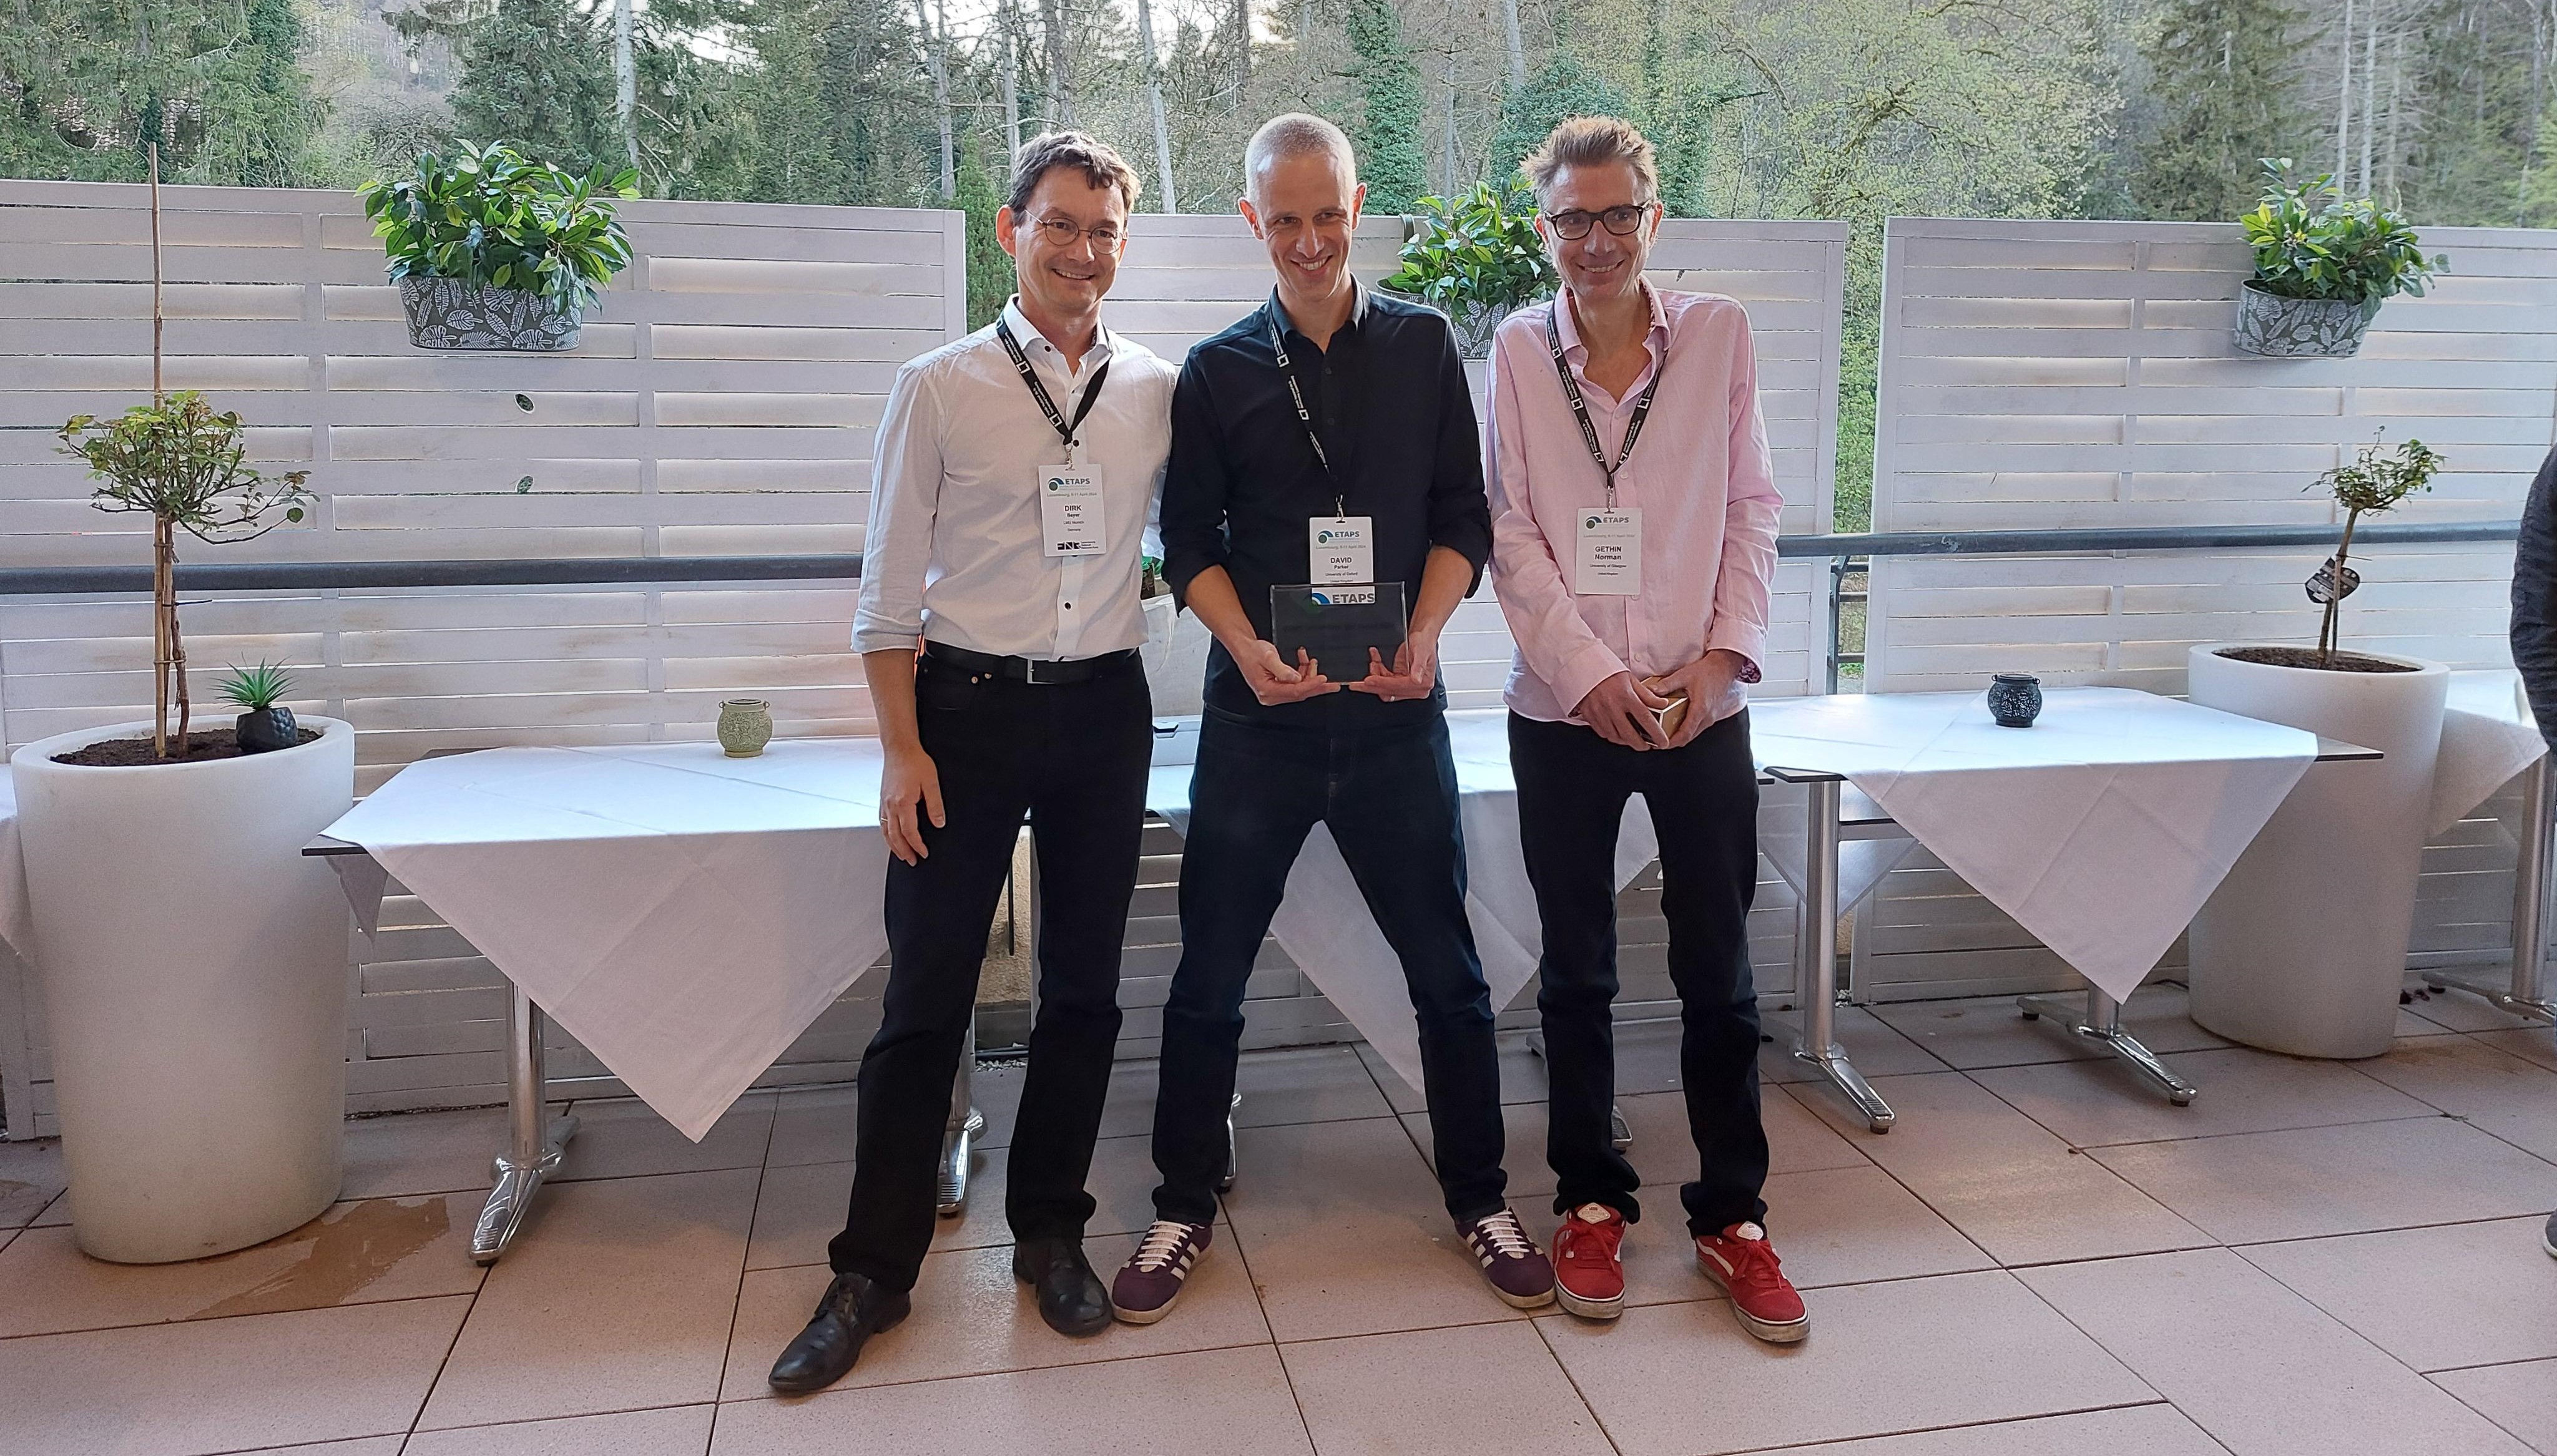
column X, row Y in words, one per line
column 1621, row 221
column 1062, row 231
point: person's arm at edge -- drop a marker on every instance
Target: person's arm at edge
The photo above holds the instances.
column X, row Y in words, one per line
column 1461, row 537
column 887, row 618
column 2534, row 599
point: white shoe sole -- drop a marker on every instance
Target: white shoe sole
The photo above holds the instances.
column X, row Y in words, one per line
column 1790, row 1332
column 1588, row 1308
column 1538, row 1300
column 1141, row 1316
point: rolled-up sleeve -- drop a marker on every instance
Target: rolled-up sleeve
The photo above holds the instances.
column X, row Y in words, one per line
column 1545, row 621
column 1196, row 483
column 905, row 495
column 1460, row 516
column 2534, row 599
column 1754, row 510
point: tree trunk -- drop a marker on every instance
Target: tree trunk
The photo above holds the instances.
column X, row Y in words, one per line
column 937, row 63
column 1242, row 45
column 1010, row 20
column 1155, row 106
column 2370, row 94
column 1516, row 45
column 2328, row 628
column 164, row 612
column 1061, row 73
column 2344, row 98
column 625, row 80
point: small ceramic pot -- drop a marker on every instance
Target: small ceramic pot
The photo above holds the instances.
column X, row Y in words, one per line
column 744, row 727
column 266, row 729
column 2015, row 699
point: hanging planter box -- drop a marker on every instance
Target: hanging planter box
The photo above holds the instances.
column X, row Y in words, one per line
column 452, row 313
column 2299, row 328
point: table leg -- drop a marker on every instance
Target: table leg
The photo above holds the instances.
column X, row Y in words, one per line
column 1226, row 1183
column 959, row 1135
column 535, row 1142
column 2099, row 1021
column 1620, row 1134
column 2522, row 993
column 1815, row 959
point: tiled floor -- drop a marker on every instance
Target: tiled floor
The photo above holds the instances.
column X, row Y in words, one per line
column 2042, row 1257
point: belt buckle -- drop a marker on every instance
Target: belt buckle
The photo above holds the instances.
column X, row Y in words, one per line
column 1031, row 675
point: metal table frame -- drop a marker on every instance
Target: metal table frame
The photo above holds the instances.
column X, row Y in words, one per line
column 2522, row 991
column 1834, row 819
column 536, row 1143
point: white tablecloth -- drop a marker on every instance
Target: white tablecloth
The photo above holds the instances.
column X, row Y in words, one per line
column 2487, row 737
column 683, row 914
column 2102, row 828
column 1324, row 926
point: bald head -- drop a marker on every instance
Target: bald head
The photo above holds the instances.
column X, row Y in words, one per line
column 1286, row 137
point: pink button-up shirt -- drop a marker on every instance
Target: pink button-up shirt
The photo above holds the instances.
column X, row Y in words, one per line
column 1700, row 475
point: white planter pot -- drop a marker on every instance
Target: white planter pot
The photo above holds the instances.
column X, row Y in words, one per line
column 1175, row 654
column 195, row 974
column 2303, row 947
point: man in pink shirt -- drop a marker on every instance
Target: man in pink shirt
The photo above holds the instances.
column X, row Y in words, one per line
column 1633, row 520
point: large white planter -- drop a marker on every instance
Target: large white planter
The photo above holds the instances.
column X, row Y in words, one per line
column 194, row 975
column 2303, row 948
column 1175, row 655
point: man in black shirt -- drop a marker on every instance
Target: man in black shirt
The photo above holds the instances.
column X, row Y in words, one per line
column 1327, row 441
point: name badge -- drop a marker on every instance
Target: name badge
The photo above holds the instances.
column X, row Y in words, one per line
column 1609, row 562
column 1070, row 517
column 1342, row 550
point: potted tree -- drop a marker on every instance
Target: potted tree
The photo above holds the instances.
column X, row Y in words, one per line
column 2322, row 267
column 494, row 251
column 1475, row 258
column 2303, row 948
column 193, row 963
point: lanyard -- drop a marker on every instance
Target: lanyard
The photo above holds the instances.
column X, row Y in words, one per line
column 1305, row 417
column 1039, row 391
column 1581, row 407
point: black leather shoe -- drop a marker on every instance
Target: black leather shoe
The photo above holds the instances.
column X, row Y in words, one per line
column 853, row 1309
column 1071, row 1297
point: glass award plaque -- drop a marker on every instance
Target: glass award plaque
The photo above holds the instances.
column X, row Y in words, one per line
column 1337, row 625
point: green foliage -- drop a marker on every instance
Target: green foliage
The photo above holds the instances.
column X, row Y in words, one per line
column 990, row 268
column 2223, row 73
column 257, row 689
column 1564, row 88
column 1476, row 253
column 85, row 83
column 537, row 71
column 184, row 466
column 834, row 109
column 1386, row 132
column 2377, row 481
column 2312, row 244
column 492, row 216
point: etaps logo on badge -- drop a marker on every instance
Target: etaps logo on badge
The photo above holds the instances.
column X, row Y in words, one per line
column 1323, row 538
column 1592, row 523
column 1056, row 482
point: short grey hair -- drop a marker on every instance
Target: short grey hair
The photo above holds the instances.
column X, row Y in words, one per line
column 1100, row 164
column 1293, row 135
column 1593, row 141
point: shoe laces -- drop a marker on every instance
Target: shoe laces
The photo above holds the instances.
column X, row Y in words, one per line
column 1162, row 1244
column 1580, row 1243
column 1753, row 1260
column 1501, row 1232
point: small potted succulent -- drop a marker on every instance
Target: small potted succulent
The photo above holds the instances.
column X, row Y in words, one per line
column 264, row 724
column 493, row 250
column 2303, row 948
column 1475, row 258
column 2322, row 267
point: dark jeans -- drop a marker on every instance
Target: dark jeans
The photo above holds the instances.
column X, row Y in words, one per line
column 1389, row 797
column 1571, row 790
column 1073, row 758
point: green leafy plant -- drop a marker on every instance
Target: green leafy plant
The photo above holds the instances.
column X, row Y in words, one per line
column 184, row 466
column 1476, row 256
column 2375, row 482
column 2311, row 243
column 491, row 215
column 257, row 689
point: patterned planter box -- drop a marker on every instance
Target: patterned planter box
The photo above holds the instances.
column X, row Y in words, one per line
column 2306, row 329
column 449, row 313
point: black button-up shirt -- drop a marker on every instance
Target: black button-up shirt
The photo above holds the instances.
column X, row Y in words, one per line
column 1397, row 418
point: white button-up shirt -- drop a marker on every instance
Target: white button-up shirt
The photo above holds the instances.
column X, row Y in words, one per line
column 955, row 548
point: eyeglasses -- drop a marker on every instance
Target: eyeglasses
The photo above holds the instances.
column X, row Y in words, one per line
column 1621, row 221
column 1062, row 231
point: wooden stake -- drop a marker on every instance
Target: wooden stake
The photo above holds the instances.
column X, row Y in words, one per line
column 155, row 316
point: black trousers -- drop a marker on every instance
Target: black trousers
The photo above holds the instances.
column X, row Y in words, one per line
column 1571, row 790
column 1072, row 758
column 1389, row 795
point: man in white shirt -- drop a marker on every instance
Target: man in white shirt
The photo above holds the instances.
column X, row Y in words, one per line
column 999, row 623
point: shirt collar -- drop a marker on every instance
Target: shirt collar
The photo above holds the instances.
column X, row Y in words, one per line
column 1034, row 342
column 1566, row 320
column 1356, row 317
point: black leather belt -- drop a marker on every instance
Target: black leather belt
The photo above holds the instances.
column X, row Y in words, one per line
column 1038, row 671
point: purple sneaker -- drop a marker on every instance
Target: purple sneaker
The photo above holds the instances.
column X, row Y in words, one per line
column 1518, row 1270
column 1152, row 1277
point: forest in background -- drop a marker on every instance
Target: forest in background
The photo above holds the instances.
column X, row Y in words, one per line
column 1847, row 109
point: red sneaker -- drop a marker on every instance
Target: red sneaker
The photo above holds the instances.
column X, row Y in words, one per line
column 1589, row 1271
column 1744, row 1264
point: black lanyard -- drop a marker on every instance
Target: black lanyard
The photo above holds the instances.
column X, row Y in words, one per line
column 1305, row 417
column 1581, row 407
column 1039, row 391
